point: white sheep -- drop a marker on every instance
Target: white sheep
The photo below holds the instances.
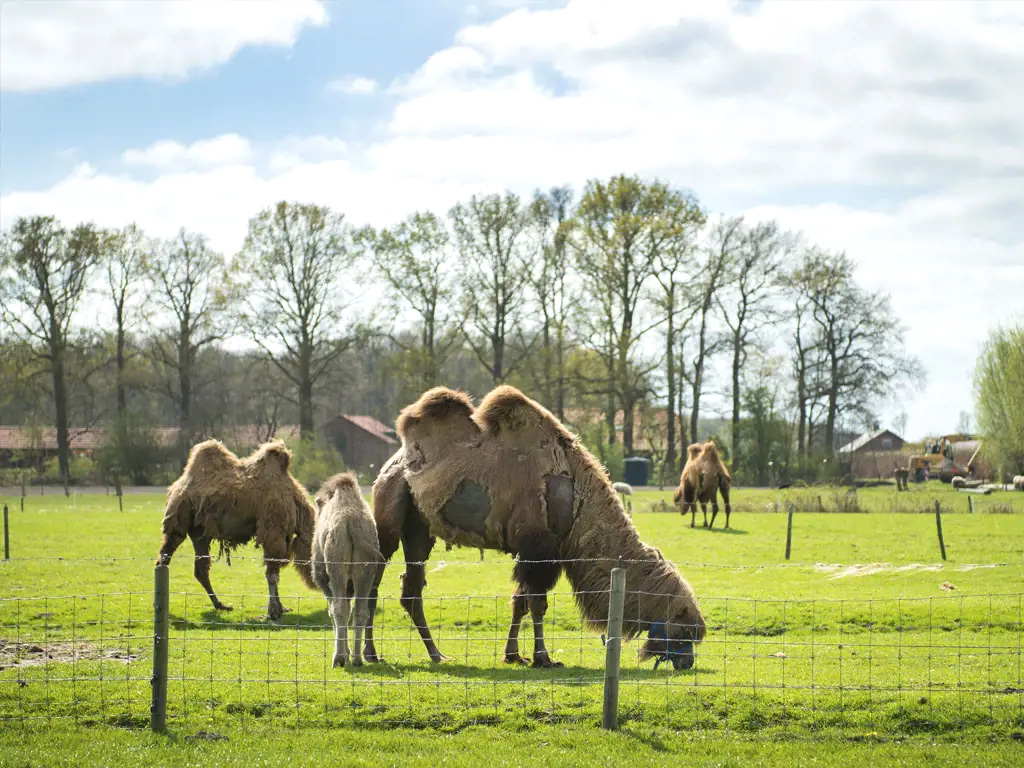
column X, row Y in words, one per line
column 346, row 560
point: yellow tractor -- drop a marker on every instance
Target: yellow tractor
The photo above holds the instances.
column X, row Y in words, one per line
column 937, row 460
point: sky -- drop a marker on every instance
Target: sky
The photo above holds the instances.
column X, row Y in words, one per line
column 893, row 131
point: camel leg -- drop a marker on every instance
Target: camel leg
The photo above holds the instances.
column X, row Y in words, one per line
column 690, row 503
column 536, row 572
column 275, row 554
column 538, row 607
column 371, row 654
column 714, row 511
column 168, row 546
column 519, row 608
column 417, row 544
column 704, row 509
column 201, row 570
column 362, row 585
column 728, row 506
column 339, row 617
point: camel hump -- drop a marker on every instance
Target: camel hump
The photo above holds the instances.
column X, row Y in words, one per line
column 341, row 482
column 693, row 450
column 710, row 450
column 276, row 451
column 506, row 408
column 439, row 403
column 211, row 455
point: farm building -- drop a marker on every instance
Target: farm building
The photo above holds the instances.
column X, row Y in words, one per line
column 363, row 441
column 879, row 440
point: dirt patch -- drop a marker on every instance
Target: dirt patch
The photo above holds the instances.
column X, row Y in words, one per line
column 14, row 654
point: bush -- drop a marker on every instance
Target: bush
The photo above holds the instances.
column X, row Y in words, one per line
column 313, row 461
column 81, row 470
column 131, row 452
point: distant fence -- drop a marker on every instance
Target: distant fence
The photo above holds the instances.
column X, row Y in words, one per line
column 935, row 665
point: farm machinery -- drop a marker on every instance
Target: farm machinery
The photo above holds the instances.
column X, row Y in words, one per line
column 938, row 459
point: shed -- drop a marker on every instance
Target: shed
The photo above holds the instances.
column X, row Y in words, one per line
column 363, row 441
column 637, row 469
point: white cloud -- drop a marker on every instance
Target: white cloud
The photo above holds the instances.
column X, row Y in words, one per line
column 353, row 85
column 891, row 126
column 167, row 155
column 57, row 43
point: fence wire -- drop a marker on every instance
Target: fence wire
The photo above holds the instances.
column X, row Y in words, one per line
column 936, row 665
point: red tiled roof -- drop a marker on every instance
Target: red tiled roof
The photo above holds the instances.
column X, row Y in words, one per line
column 376, row 428
column 89, row 439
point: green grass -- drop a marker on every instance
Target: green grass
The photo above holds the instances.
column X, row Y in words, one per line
column 798, row 651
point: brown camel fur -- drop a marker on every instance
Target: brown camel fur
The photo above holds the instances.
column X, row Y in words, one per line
column 346, row 557
column 704, row 475
column 508, row 476
column 222, row 498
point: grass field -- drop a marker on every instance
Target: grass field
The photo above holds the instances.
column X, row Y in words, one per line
column 854, row 642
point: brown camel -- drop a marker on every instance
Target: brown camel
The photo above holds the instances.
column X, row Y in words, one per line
column 704, row 475
column 221, row 498
column 508, row 476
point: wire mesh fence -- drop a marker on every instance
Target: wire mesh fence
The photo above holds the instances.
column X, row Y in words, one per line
column 936, row 665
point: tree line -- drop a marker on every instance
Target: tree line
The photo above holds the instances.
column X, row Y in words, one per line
column 626, row 297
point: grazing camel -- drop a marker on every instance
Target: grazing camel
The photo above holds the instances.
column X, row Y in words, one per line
column 508, row 476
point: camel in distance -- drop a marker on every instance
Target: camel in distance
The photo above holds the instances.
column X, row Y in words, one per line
column 703, row 476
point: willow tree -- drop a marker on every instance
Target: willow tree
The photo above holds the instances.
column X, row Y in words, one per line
column 999, row 389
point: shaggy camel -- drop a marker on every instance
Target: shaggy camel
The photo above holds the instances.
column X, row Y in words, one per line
column 221, row 498
column 346, row 558
column 508, row 476
column 703, row 476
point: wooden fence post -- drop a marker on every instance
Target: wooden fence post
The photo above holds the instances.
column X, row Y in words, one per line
column 789, row 529
column 613, row 650
column 7, row 537
column 970, row 503
column 161, row 626
column 938, row 525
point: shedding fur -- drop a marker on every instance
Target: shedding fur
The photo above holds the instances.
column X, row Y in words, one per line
column 233, row 501
column 514, row 447
column 703, row 476
column 346, row 558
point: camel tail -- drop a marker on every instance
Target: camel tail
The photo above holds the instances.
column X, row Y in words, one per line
column 302, row 546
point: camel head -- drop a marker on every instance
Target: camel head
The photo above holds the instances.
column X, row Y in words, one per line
column 674, row 641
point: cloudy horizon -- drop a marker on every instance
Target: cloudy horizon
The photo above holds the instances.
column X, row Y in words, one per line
column 884, row 130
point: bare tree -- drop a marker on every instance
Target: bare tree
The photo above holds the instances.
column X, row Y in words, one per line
column 192, row 295
column 414, row 260
column 675, row 266
column 860, row 337
column 125, row 255
column 488, row 233
column 725, row 240
column 747, row 302
column 549, row 223
column 296, row 255
column 623, row 227
column 44, row 269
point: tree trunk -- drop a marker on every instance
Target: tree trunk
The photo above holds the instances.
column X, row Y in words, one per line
column 60, row 402
column 185, row 390
column 305, row 397
column 609, row 418
column 122, row 400
column 560, row 395
column 628, row 408
column 670, row 453
column 736, row 349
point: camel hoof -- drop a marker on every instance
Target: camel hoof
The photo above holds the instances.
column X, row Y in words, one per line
column 692, row 525
column 285, row 610
column 356, row 661
column 439, row 658
column 515, row 658
column 218, row 606
column 339, row 661
column 545, row 662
